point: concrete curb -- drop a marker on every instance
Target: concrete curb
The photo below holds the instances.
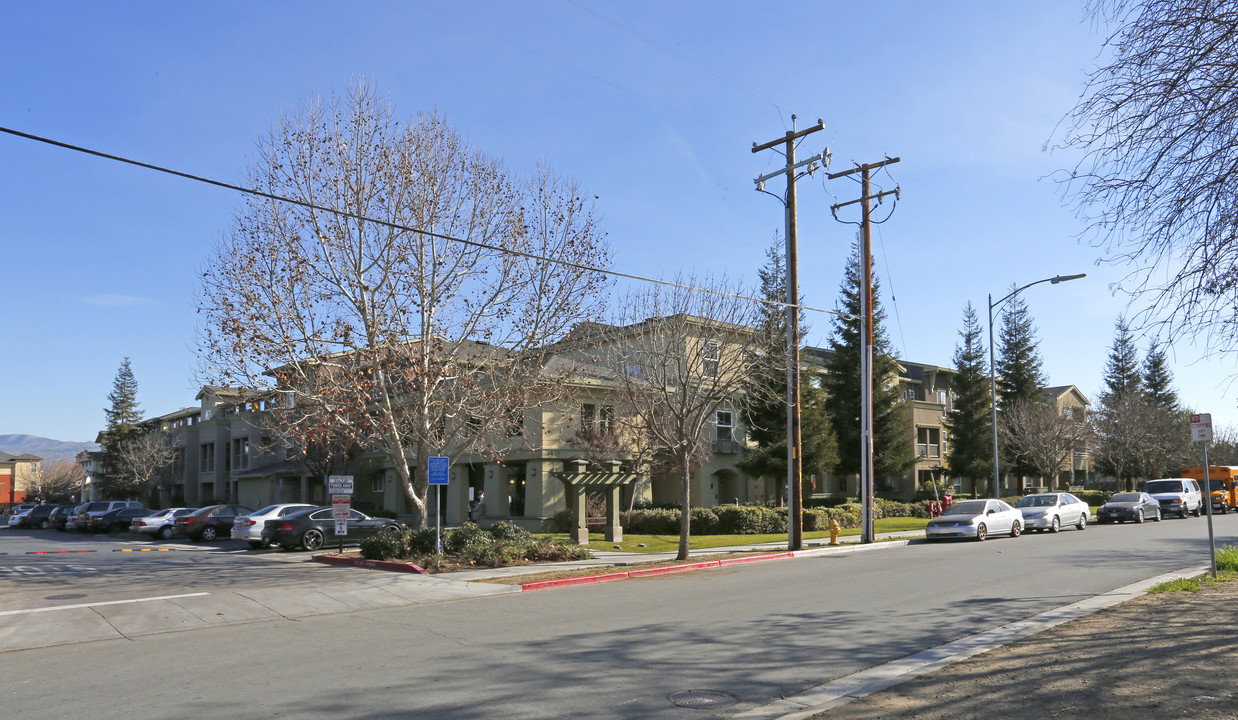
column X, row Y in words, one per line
column 374, row 564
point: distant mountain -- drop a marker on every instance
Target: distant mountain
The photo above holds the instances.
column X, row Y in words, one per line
column 46, row 448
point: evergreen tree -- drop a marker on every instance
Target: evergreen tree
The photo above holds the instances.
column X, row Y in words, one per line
column 123, row 416
column 1019, row 375
column 893, row 448
column 970, row 453
column 1157, row 379
column 767, row 414
column 1122, row 373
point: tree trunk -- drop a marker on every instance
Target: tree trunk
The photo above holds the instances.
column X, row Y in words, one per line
column 685, row 520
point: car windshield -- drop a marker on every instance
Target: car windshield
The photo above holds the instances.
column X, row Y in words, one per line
column 1125, row 497
column 1038, row 501
column 967, row 507
column 1163, row 486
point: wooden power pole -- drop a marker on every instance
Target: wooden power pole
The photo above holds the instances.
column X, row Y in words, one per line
column 795, row 502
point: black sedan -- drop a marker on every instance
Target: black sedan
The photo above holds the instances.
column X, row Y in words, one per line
column 315, row 528
column 1133, row 506
column 38, row 517
column 116, row 521
column 210, row 523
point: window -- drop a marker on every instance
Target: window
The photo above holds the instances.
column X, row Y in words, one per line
column 240, row 453
column 206, row 462
column 515, row 423
column 606, row 420
column 723, row 421
column 377, row 483
column 633, row 370
column 587, row 416
column 941, row 396
column 710, row 355
column 928, row 442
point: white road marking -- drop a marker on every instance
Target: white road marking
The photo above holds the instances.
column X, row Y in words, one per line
column 98, row 604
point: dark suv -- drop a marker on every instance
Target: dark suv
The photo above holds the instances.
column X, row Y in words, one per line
column 209, row 523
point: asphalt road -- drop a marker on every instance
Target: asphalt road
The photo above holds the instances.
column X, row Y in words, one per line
column 614, row 650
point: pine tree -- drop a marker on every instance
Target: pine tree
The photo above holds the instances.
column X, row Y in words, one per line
column 893, row 450
column 767, row 416
column 970, row 453
column 1122, row 373
column 1157, row 379
column 123, row 415
column 1019, row 375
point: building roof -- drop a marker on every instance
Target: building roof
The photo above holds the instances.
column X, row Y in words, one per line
column 24, row 457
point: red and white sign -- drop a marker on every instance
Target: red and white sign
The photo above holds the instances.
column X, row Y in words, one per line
column 340, row 505
column 1201, row 428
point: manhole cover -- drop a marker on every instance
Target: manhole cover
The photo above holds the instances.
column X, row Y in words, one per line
column 69, row 596
column 702, row 699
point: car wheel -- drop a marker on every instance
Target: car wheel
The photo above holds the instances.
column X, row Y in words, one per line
column 1157, row 516
column 313, row 540
column 208, row 534
column 1184, row 512
column 1015, row 529
column 1055, row 525
column 1139, row 515
column 165, row 532
column 981, row 532
column 1198, row 510
column 1083, row 521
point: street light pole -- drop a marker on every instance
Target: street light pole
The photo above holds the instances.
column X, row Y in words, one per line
column 997, row 474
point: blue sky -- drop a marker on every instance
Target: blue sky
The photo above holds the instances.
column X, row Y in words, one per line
column 653, row 106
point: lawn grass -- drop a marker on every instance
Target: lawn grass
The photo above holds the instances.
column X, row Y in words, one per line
column 1227, row 571
column 670, row 543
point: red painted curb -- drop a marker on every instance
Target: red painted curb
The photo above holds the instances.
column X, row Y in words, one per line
column 611, row 577
column 376, row 564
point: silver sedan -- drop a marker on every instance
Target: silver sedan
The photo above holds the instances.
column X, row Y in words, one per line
column 975, row 519
column 1050, row 511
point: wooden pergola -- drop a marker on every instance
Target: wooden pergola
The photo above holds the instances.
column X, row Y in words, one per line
column 578, row 481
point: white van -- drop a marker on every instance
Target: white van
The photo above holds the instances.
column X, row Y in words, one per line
column 1177, row 496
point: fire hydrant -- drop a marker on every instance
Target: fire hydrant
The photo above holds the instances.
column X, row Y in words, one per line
column 834, row 531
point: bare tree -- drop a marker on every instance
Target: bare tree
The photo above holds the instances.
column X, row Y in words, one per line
column 1134, row 438
column 1157, row 124
column 413, row 315
column 142, row 462
column 680, row 356
column 56, row 480
column 1041, row 437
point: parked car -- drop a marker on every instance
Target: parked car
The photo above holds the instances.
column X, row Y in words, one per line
column 92, row 510
column 1133, row 506
column 158, row 523
column 209, row 523
column 116, row 521
column 249, row 527
column 314, row 528
column 36, row 517
column 60, row 515
column 70, row 521
column 975, row 519
column 1050, row 511
column 1177, row 496
column 18, row 512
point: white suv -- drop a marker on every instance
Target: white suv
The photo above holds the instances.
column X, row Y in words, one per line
column 1177, row 496
column 91, row 510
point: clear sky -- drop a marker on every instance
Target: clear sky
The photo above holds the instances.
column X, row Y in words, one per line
column 652, row 105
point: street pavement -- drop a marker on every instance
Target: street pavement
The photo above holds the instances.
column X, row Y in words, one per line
column 48, row 626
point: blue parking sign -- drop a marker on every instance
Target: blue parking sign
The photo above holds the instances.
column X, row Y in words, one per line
column 438, row 468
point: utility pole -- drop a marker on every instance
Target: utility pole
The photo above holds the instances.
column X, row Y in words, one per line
column 795, row 501
column 867, row 484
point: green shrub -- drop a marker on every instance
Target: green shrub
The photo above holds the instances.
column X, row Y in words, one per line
column 384, row 546
column 545, row 551
column 651, row 521
column 560, row 522
column 466, row 536
column 703, row 521
column 421, row 542
column 492, row 554
column 506, row 533
column 750, row 520
column 1227, row 559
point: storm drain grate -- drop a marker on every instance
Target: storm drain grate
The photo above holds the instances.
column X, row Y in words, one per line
column 702, row 699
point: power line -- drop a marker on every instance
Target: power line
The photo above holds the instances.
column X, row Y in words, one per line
column 396, row 226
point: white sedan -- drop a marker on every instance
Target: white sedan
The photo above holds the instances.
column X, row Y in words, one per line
column 1050, row 511
column 975, row 519
column 249, row 527
column 159, row 523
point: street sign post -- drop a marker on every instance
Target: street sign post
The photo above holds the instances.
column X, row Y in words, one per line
column 340, row 488
column 1201, row 432
column 438, row 473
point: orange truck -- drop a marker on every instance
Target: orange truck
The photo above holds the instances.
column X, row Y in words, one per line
column 1224, row 482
